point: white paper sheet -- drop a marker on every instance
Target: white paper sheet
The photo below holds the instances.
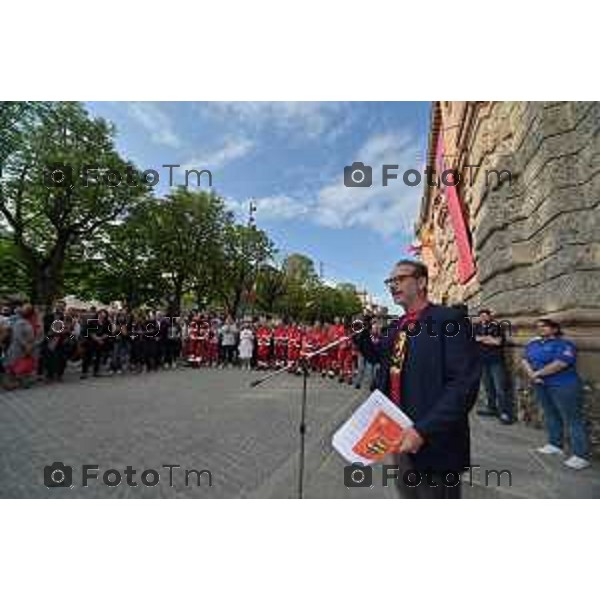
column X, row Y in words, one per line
column 372, row 432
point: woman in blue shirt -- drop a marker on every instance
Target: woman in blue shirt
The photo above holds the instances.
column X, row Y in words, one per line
column 549, row 362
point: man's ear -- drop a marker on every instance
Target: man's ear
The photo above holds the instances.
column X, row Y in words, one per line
column 422, row 283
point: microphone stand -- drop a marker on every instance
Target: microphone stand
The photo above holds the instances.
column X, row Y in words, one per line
column 304, row 363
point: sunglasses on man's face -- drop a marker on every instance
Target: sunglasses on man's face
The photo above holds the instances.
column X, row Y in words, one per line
column 393, row 281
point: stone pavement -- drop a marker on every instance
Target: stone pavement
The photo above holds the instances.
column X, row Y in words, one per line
column 247, row 437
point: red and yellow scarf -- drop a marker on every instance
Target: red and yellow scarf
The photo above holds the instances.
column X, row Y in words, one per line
column 399, row 354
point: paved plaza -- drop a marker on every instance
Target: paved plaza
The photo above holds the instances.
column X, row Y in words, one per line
column 247, row 438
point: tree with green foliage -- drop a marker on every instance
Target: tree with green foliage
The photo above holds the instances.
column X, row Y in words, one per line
column 47, row 219
column 270, row 289
column 246, row 249
column 190, row 229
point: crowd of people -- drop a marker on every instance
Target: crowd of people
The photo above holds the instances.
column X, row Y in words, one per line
column 39, row 347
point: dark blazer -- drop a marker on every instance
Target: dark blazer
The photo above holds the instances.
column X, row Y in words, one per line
column 440, row 380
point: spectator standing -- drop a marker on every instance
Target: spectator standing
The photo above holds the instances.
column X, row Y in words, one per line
column 490, row 339
column 246, row 347
column 19, row 359
column 229, row 333
column 550, row 363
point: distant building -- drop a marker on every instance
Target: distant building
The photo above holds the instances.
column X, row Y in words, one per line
column 76, row 303
column 369, row 304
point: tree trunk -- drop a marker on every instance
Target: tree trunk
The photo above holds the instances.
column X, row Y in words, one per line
column 46, row 286
column 175, row 304
column 46, row 276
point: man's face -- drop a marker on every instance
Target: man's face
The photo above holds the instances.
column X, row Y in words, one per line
column 485, row 317
column 404, row 286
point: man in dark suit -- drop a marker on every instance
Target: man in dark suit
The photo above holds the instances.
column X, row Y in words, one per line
column 430, row 367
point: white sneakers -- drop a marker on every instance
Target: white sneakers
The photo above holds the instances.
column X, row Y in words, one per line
column 550, row 449
column 576, row 462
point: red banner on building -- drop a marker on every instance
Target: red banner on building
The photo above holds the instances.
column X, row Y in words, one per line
column 466, row 264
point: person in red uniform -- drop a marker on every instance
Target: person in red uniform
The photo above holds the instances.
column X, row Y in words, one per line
column 337, row 353
column 329, row 358
column 318, row 340
column 280, row 337
column 263, row 337
column 309, row 345
column 193, row 344
column 295, row 337
column 345, row 357
column 202, row 350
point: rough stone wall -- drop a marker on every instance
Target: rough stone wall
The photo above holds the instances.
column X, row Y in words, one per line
column 536, row 240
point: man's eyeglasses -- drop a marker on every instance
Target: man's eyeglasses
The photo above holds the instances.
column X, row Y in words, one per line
column 393, row 281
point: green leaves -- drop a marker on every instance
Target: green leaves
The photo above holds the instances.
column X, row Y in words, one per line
column 47, row 219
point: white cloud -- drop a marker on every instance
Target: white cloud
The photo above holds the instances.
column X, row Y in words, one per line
column 229, row 151
column 156, row 122
column 309, row 119
column 280, row 207
column 389, row 210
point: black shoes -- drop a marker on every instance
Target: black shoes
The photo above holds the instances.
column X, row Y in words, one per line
column 504, row 418
column 487, row 412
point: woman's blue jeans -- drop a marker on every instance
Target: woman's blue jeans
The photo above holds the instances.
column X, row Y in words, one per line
column 562, row 407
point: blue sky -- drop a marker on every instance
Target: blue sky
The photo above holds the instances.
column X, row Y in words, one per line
column 289, row 157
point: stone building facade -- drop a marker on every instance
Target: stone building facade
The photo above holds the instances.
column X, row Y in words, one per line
column 525, row 243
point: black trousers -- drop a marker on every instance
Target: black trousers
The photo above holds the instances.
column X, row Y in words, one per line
column 54, row 359
column 229, row 354
column 151, row 355
column 171, row 350
column 137, row 352
column 92, row 353
column 424, row 485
